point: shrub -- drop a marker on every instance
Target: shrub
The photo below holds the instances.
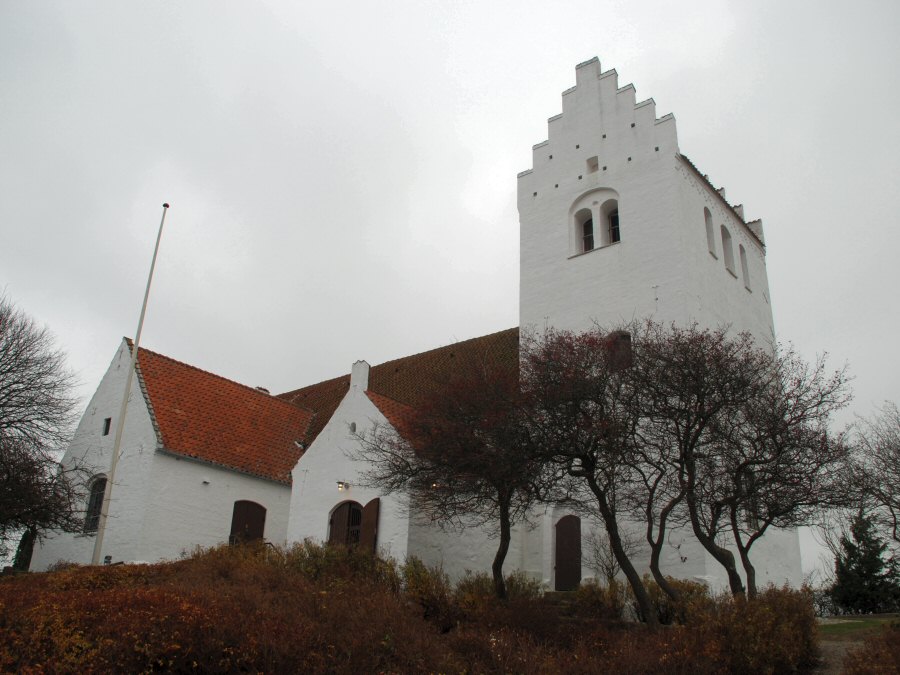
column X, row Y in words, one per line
column 519, row 586
column 475, row 590
column 603, row 602
column 319, row 610
column 774, row 633
column 879, row 654
column 430, row 588
column 694, row 598
column 336, row 563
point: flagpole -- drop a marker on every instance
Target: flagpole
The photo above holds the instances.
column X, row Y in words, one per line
column 120, row 422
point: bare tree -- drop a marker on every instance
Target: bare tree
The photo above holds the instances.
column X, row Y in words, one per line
column 36, row 415
column 581, row 414
column 463, row 455
column 781, row 465
column 686, row 380
column 879, row 467
column 600, row 554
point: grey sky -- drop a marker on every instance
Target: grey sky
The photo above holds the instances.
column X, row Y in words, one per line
column 342, row 177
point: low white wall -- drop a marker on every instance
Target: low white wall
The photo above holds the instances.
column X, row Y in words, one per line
column 191, row 504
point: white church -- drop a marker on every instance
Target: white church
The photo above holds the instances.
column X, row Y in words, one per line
column 615, row 224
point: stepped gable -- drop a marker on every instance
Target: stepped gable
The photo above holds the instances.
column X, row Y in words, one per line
column 622, row 134
column 405, row 381
column 209, row 418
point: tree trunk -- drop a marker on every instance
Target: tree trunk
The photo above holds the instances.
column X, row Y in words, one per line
column 744, row 552
column 656, row 549
column 615, row 542
column 22, row 561
column 658, row 576
column 722, row 555
column 500, row 557
column 750, row 570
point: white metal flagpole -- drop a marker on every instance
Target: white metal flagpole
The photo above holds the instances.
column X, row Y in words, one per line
column 120, row 423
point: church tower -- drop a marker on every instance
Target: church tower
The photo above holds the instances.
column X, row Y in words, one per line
column 616, row 224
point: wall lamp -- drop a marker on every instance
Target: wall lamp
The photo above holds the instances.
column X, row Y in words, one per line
column 343, row 485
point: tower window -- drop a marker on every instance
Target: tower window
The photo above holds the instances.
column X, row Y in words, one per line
column 727, row 250
column 710, row 233
column 744, row 269
column 592, row 164
column 594, row 221
column 588, row 234
column 614, row 227
column 106, row 425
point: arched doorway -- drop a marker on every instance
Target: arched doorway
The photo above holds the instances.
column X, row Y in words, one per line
column 248, row 522
column 352, row 524
column 568, row 553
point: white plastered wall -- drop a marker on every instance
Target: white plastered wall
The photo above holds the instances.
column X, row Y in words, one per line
column 192, row 504
column 636, row 154
column 328, row 460
column 472, row 548
column 92, row 449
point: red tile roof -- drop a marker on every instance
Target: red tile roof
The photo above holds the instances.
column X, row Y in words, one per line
column 403, row 382
column 207, row 417
column 396, row 413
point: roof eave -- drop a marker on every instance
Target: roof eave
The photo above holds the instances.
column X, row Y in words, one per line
column 199, row 460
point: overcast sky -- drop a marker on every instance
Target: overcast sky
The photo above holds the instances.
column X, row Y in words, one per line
column 342, row 177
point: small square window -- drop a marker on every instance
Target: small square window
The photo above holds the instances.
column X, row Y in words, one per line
column 107, row 423
column 592, row 164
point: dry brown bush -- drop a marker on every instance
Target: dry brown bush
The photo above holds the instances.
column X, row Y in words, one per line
column 315, row 610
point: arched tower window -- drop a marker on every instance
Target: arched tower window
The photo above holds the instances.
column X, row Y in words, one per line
column 614, row 227
column 744, row 269
column 594, row 221
column 585, row 229
column 94, row 504
column 710, row 232
column 727, row 250
column 609, row 215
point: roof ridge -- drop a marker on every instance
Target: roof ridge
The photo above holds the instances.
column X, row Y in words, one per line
column 402, row 358
column 218, row 377
column 314, row 384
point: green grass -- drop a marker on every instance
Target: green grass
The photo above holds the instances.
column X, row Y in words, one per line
column 854, row 628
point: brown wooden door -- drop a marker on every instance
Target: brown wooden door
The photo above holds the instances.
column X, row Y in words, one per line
column 568, row 553
column 345, row 525
column 369, row 536
column 248, row 522
column 337, row 528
